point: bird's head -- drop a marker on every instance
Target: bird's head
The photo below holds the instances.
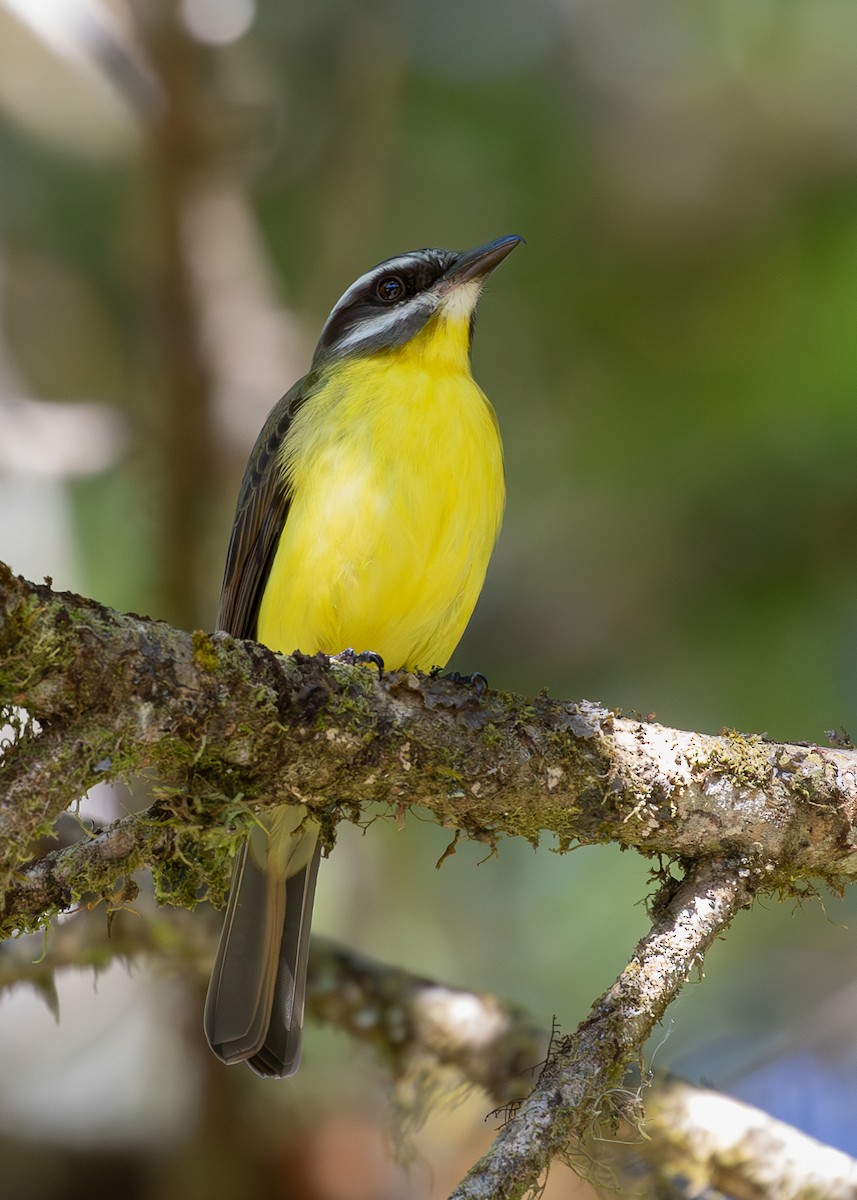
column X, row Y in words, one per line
column 426, row 291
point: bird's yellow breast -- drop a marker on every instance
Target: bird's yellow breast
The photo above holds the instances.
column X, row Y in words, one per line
column 395, row 470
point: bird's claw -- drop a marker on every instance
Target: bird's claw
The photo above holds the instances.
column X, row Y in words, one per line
column 364, row 658
column 475, row 680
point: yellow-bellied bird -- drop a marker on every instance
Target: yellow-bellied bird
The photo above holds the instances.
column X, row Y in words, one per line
column 366, row 518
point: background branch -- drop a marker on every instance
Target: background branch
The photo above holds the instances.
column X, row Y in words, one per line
column 579, row 1089
column 688, row 1132
column 715, row 1141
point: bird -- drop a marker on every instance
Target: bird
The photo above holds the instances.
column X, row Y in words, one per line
column 368, row 512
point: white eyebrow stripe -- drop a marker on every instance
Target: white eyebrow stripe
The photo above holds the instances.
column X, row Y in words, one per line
column 404, row 262
column 385, row 320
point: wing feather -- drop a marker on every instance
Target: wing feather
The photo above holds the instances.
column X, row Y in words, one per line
column 261, row 513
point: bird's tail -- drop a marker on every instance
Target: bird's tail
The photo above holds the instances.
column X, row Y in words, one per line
column 255, row 1003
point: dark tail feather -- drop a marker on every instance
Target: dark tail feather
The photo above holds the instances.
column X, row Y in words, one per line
column 254, row 1007
column 280, row 1054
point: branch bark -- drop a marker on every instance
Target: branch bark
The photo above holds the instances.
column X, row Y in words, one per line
column 224, row 723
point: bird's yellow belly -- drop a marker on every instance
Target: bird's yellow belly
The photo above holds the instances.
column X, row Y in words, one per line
column 397, row 497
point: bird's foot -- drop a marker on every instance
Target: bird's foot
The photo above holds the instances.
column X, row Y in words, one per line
column 475, row 680
column 362, row 659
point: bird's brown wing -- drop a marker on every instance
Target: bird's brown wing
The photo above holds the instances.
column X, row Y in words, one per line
column 263, row 506
column 254, row 1009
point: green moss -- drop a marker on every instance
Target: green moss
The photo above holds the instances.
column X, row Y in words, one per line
column 16, row 671
column 198, row 869
column 530, row 821
column 492, row 735
column 744, row 757
column 204, row 650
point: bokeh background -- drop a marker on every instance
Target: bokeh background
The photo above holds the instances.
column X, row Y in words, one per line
column 185, row 190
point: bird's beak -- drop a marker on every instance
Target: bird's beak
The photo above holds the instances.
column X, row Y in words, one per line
column 476, row 264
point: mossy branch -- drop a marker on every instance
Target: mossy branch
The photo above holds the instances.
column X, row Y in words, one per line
column 227, row 726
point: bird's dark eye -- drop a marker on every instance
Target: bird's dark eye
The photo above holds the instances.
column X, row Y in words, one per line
column 390, row 288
